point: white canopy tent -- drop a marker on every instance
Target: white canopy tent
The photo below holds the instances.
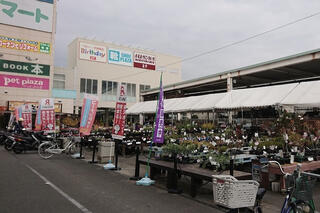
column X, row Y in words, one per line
column 187, row 104
column 255, row 97
column 207, row 102
column 306, row 94
column 295, row 94
column 143, row 107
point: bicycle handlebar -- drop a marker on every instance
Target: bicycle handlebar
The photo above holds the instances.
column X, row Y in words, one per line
column 298, row 169
column 276, row 162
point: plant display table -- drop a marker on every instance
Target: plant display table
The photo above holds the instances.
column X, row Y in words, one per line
column 196, row 173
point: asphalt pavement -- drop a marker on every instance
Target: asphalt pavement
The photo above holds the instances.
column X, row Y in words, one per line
column 62, row 184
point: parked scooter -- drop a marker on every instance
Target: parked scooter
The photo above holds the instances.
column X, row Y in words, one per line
column 9, row 141
column 28, row 142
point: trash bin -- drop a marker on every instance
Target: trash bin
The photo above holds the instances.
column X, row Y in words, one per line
column 105, row 152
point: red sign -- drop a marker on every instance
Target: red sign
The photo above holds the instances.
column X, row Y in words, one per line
column 47, row 115
column 88, row 113
column 120, row 113
column 144, row 61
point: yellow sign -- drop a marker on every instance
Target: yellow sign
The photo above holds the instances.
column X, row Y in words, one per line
column 14, row 104
column 24, row 45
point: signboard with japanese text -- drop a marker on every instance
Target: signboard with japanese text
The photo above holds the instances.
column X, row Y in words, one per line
column 88, row 113
column 92, row 52
column 47, row 115
column 120, row 113
column 120, row 57
column 27, row 116
column 144, row 61
column 34, row 105
column 24, row 45
column 30, row 14
column 24, row 82
column 24, row 68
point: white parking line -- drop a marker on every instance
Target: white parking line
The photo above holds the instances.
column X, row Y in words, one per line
column 73, row 201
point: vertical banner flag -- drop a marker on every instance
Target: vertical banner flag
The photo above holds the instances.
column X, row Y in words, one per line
column 38, row 118
column 27, row 116
column 18, row 112
column 88, row 113
column 158, row 134
column 47, row 115
column 11, row 120
column 120, row 113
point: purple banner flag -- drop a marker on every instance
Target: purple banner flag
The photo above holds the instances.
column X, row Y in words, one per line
column 158, row 134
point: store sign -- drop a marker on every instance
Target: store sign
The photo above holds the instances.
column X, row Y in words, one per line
column 88, row 113
column 120, row 57
column 144, row 61
column 120, row 113
column 24, row 68
column 93, row 52
column 34, row 105
column 47, row 115
column 24, row 82
column 31, row 14
column 24, row 45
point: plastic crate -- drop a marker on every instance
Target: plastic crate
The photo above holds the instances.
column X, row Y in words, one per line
column 232, row 193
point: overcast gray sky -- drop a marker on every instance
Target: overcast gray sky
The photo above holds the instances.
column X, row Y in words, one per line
column 189, row 27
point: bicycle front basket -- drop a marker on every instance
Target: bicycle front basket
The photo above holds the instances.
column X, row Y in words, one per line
column 304, row 188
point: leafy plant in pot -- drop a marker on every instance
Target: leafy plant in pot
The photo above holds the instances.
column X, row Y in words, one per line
column 215, row 161
column 178, row 150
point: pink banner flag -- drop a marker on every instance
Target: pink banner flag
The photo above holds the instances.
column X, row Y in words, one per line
column 119, row 119
column 27, row 116
column 47, row 115
column 88, row 113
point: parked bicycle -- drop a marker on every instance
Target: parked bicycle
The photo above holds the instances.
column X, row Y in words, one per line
column 48, row 149
column 299, row 194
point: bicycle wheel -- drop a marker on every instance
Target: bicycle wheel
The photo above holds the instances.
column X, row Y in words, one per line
column 257, row 209
column 42, row 150
column 72, row 149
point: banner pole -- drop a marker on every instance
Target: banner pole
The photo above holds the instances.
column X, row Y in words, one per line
column 146, row 181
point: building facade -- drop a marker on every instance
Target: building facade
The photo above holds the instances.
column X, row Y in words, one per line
column 98, row 68
column 27, row 36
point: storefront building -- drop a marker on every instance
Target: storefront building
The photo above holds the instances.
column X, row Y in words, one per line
column 27, row 35
column 98, row 68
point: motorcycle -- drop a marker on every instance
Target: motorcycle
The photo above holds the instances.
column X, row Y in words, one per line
column 29, row 142
column 8, row 142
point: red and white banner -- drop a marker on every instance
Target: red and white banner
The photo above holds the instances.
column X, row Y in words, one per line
column 88, row 113
column 27, row 116
column 47, row 115
column 120, row 113
column 144, row 61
